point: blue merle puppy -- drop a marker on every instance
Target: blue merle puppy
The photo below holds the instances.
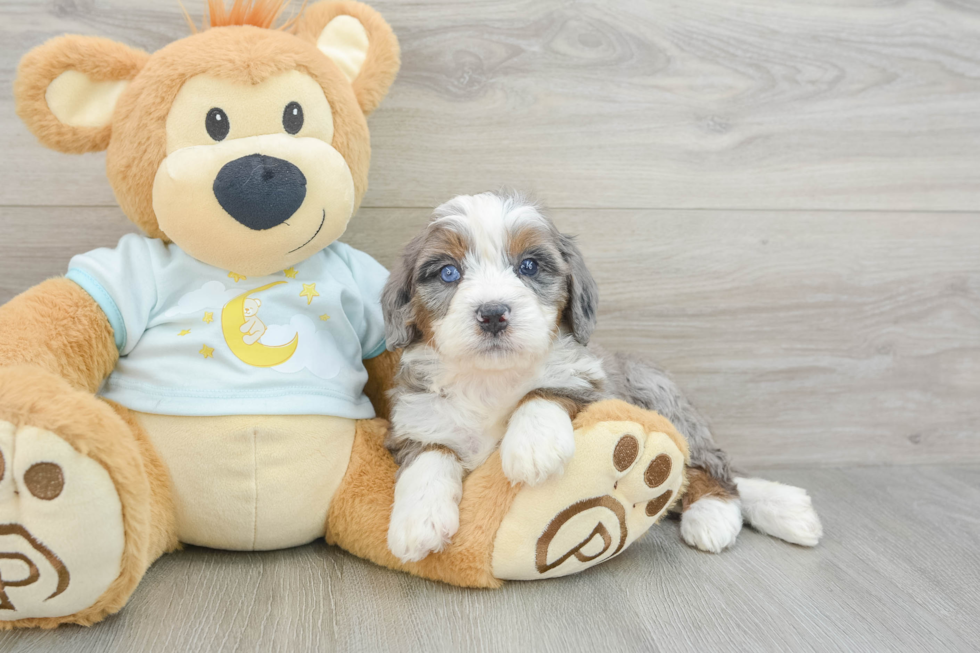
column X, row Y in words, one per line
column 494, row 309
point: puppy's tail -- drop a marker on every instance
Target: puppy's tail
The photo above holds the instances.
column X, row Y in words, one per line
column 779, row 510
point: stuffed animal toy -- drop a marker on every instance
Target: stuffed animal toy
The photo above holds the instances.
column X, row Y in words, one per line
column 216, row 381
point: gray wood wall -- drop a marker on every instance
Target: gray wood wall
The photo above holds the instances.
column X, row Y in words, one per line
column 780, row 199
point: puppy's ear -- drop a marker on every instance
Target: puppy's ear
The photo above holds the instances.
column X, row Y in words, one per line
column 66, row 90
column 396, row 299
column 356, row 38
column 583, row 293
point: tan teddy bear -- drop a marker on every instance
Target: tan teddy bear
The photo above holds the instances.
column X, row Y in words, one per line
column 242, row 151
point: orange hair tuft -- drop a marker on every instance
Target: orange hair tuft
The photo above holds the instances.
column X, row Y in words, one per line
column 258, row 13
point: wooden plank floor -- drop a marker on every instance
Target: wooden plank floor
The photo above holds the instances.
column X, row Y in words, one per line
column 899, row 570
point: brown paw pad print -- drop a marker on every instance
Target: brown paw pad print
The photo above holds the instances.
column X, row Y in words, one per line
column 658, row 471
column 656, row 505
column 625, row 453
column 44, row 480
column 656, row 474
column 640, row 477
column 33, row 574
column 603, row 504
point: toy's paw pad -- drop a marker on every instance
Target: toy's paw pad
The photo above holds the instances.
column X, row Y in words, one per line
column 712, row 524
column 422, row 527
column 61, row 530
column 619, row 483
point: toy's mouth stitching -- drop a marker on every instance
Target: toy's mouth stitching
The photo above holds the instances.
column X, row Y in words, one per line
column 322, row 220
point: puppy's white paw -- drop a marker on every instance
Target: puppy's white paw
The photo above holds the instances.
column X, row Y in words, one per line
column 779, row 510
column 539, row 441
column 422, row 528
column 425, row 515
column 711, row 524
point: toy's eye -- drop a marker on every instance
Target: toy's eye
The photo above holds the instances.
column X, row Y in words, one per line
column 529, row 267
column 449, row 274
column 292, row 118
column 217, row 124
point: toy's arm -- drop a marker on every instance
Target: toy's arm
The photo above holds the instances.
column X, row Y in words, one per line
column 381, row 378
column 58, row 327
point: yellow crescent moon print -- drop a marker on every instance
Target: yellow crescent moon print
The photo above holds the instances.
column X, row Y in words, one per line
column 256, row 354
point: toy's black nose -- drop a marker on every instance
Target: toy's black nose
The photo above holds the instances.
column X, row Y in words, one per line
column 260, row 191
column 493, row 318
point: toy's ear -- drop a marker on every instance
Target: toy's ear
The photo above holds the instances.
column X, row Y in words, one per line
column 359, row 41
column 66, row 90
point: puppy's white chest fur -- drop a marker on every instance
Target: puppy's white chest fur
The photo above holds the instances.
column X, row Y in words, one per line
column 485, row 400
column 468, row 409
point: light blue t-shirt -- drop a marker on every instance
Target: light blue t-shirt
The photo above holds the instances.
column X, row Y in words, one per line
column 194, row 339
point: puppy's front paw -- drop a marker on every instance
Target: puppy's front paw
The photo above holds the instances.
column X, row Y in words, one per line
column 425, row 515
column 421, row 528
column 539, row 441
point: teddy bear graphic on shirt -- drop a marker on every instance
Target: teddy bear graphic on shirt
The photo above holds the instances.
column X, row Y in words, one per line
column 254, row 328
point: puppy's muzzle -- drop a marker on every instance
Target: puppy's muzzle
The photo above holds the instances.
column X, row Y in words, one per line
column 493, row 318
column 259, row 191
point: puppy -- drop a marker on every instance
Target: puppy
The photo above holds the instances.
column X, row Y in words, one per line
column 494, row 308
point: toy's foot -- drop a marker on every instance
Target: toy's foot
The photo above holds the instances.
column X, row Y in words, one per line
column 623, row 478
column 61, row 526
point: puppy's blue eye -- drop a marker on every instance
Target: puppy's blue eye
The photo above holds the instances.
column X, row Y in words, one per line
column 529, row 267
column 449, row 274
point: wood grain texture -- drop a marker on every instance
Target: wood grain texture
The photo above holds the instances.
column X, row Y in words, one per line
column 789, row 104
column 808, row 338
column 778, row 199
column 897, row 571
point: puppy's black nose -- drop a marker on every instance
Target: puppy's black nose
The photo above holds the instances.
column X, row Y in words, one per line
column 260, row 191
column 493, row 318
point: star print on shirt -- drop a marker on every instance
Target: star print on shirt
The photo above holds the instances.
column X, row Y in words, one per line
column 309, row 291
column 237, row 277
column 208, row 317
column 184, row 332
column 324, row 317
column 290, row 272
column 207, row 352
